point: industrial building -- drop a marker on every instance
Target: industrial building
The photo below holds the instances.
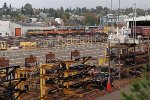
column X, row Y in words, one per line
column 19, row 29
column 140, row 21
column 5, row 28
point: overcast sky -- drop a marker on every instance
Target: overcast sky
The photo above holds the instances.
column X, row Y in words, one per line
column 75, row 3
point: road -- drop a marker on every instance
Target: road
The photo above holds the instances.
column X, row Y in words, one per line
column 16, row 57
column 114, row 95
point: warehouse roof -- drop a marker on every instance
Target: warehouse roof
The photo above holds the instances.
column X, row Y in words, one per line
column 140, row 18
column 31, row 24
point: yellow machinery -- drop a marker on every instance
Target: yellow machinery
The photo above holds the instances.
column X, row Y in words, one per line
column 103, row 61
column 28, row 44
column 106, row 29
column 3, row 45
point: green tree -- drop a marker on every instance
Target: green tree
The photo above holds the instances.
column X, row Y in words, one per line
column 128, row 10
column 85, row 10
column 28, row 9
column 22, row 10
column 99, row 9
column 10, row 7
column 67, row 15
column 106, row 10
column 91, row 19
column 67, row 10
column 140, row 90
column 51, row 12
column 148, row 10
column 5, row 6
column 140, row 12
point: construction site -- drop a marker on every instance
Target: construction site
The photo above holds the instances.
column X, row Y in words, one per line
column 76, row 67
column 40, row 62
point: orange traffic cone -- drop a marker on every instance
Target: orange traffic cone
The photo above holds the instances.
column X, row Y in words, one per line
column 108, row 86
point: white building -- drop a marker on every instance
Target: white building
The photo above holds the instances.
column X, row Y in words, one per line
column 19, row 29
column 5, row 28
column 59, row 21
column 33, row 20
column 140, row 21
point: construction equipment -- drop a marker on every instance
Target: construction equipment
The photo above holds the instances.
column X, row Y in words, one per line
column 28, row 45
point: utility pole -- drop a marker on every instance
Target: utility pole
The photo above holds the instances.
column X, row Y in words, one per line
column 145, row 10
column 119, row 11
column 135, row 18
column 111, row 6
column 109, row 75
column 133, row 24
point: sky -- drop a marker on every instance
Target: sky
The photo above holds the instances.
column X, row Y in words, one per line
column 77, row 3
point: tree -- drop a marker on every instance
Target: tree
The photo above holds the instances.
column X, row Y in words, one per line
column 44, row 10
column 28, row 9
column 84, row 10
column 22, row 10
column 10, row 7
column 5, row 6
column 148, row 11
column 140, row 12
column 67, row 10
column 128, row 10
column 91, row 19
column 52, row 12
column 67, row 15
column 140, row 90
column 106, row 10
column 99, row 9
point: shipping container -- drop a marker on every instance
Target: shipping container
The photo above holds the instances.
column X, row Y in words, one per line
column 146, row 31
column 141, row 30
